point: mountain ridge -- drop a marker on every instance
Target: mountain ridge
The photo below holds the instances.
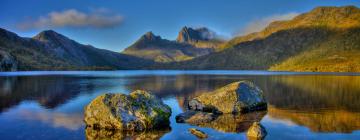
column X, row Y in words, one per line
column 153, row 47
column 52, row 51
column 284, row 40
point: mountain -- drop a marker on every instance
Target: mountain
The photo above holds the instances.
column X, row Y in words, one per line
column 324, row 39
column 155, row 48
column 199, row 37
column 52, row 51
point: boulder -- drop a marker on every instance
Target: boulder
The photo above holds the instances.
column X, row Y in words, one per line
column 135, row 112
column 198, row 133
column 256, row 132
column 237, row 97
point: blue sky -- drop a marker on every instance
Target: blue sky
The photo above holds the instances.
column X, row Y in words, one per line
column 116, row 24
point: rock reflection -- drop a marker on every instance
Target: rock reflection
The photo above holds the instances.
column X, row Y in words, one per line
column 103, row 134
column 225, row 122
column 234, row 123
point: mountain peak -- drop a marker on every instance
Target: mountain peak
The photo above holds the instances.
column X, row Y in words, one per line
column 188, row 34
column 49, row 36
column 149, row 36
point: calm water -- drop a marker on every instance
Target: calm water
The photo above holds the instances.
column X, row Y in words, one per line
column 49, row 105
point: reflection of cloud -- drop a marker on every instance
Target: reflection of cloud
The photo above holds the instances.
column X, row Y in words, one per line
column 56, row 119
column 286, row 122
column 260, row 24
column 73, row 18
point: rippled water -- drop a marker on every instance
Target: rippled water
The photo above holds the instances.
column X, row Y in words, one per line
column 49, row 105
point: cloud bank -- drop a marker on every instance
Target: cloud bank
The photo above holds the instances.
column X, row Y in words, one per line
column 74, row 18
column 260, row 24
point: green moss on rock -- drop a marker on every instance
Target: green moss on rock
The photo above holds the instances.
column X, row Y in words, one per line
column 138, row 111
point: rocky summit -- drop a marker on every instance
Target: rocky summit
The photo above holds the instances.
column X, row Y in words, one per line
column 237, row 97
column 188, row 35
column 138, row 111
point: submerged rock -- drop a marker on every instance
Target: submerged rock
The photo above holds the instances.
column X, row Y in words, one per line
column 135, row 112
column 198, row 133
column 238, row 97
column 256, row 131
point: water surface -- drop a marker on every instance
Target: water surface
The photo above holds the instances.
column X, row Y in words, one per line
column 49, row 105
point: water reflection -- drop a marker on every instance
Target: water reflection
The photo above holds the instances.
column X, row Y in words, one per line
column 320, row 121
column 321, row 103
column 56, row 119
column 48, row 91
column 101, row 134
column 234, row 123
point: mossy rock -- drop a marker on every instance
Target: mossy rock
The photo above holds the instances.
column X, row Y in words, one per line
column 237, row 97
column 135, row 112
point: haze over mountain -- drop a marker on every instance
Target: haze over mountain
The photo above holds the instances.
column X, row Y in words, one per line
column 189, row 44
column 324, row 39
column 52, row 51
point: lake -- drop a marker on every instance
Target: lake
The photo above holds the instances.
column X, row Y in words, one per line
column 49, row 105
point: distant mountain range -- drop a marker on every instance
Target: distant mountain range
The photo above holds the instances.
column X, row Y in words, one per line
column 189, row 44
column 52, row 51
column 324, row 39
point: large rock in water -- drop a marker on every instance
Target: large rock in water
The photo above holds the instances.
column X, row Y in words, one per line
column 135, row 112
column 238, row 97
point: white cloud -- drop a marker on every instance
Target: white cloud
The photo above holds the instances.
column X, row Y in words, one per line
column 260, row 24
column 73, row 18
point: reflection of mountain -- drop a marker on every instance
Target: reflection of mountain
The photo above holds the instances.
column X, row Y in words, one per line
column 314, row 92
column 181, row 85
column 320, row 121
column 49, row 91
column 92, row 134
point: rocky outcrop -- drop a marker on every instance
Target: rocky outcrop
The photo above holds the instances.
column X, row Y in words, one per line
column 189, row 35
column 238, row 97
column 7, row 62
column 135, row 112
column 256, row 132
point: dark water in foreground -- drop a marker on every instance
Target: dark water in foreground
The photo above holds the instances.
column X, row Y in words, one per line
column 49, row 105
